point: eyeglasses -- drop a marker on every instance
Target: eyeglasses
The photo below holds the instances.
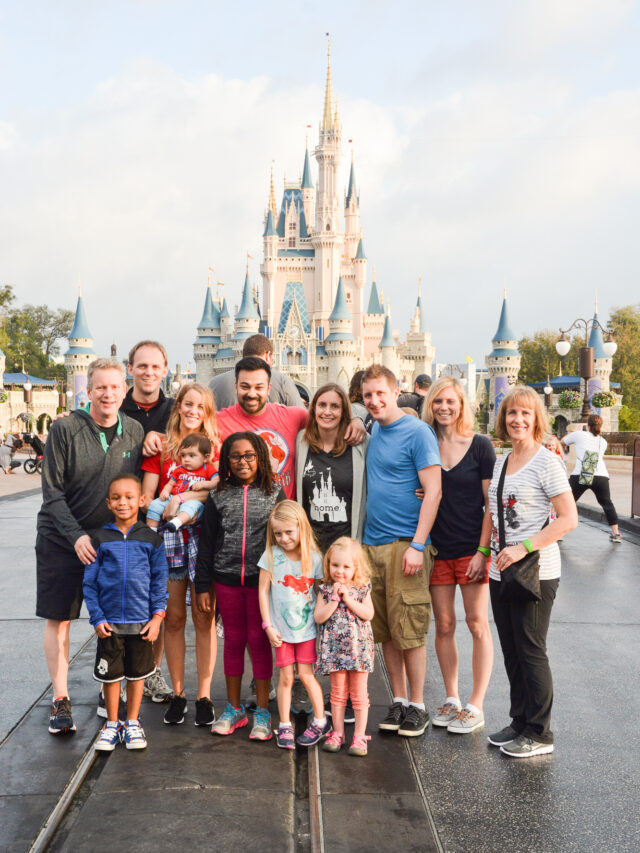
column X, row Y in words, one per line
column 238, row 457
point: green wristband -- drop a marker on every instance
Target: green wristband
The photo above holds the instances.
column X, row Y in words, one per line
column 485, row 551
column 527, row 544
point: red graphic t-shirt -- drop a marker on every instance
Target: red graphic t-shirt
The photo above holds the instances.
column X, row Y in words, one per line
column 184, row 479
column 169, row 466
column 278, row 425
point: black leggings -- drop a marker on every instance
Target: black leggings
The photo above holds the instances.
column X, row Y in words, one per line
column 600, row 488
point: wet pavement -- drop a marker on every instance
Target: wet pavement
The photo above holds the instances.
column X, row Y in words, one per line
column 225, row 793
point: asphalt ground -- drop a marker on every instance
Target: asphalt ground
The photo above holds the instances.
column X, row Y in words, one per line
column 439, row 792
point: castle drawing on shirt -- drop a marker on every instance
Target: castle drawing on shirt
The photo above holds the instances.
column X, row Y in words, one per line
column 324, row 504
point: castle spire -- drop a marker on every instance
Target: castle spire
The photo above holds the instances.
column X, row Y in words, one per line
column 248, row 309
column 306, row 171
column 504, row 332
column 272, row 197
column 352, row 192
column 329, row 117
column 80, row 325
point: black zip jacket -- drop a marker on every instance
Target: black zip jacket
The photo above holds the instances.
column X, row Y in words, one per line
column 76, row 473
column 152, row 419
column 233, row 535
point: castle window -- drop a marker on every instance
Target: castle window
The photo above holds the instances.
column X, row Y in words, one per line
column 328, row 227
column 292, row 242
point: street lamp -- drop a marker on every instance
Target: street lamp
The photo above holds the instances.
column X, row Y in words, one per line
column 548, row 392
column 586, row 355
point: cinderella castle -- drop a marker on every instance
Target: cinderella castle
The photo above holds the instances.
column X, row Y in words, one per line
column 314, row 276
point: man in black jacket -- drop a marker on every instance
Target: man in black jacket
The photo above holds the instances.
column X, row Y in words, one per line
column 83, row 453
column 145, row 401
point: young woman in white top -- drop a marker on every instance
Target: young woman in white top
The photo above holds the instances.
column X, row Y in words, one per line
column 535, row 482
column 593, row 441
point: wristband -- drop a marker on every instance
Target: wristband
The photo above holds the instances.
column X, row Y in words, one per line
column 334, row 597
column 419, row 546
column 266, row 625
column 527, row 544
column 485, row 551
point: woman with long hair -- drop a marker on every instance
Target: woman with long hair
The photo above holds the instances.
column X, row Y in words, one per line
column 193, row 412
column 461, row 533
column 525, row 485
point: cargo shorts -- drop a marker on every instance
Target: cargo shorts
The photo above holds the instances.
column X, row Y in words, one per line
column 401, row 602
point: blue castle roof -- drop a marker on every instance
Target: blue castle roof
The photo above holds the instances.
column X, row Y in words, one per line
column 294, row 292
column 360, row 255
column 224, row 311
column 306, row 173
column 387, row 336
column 504, row 332
column 423, row 322
column 248, row 309
column 374, row 306
column 352, row 190
column 80, row 325
column 596, row 340
column 269, row 228
column 210, row 316
column 21, row 378
column 340, row 308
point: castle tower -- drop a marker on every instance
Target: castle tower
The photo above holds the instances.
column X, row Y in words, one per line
column 351, row 214
column 226, row 322
column 503, row 363
column 417, row 348
column 308, row 190
column 602, row 367
column 248, row 317
column 388, row 355
column 326, row 238
column 373, row 322
column 207, row 340
column 340, row 344
column 79, row 356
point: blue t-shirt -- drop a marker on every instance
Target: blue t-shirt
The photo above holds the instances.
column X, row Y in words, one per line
column 396, row 453
column 292, row 598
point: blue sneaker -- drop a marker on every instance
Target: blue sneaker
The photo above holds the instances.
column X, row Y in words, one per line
column 133, row 735
column 108, row 738
column 284, row 738
column 314, row 734
column 60, row 719
column 230, row 720
column 261, row 725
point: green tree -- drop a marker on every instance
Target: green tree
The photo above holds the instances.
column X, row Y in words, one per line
column 625, row 325
column 540, row 359
column 32, row 334
column 6, row 298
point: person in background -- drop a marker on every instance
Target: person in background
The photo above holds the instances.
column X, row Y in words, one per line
column 415, row 400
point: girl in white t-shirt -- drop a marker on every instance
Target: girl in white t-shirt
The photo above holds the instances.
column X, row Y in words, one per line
column 592, row 441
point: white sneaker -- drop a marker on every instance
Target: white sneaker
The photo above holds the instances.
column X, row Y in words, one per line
column 446, row 713
column 465, row 722
column 156, row 688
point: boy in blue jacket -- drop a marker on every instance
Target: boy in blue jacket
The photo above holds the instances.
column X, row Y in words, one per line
column 125, row 590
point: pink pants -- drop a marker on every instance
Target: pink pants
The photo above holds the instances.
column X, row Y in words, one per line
column 345, row 683
column 242, row 625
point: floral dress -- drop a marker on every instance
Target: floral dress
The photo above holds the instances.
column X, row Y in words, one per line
column 346, row 641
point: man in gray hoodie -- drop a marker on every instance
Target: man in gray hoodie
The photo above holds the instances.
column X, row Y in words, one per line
column 83, row 453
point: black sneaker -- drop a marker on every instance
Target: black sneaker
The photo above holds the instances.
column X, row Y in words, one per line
column 300, row 702
column 176, row 711
column 415, row 722
column 60, row 720
column 205, row 715
column 505, row 735
column 349, row 716
column 394, row 719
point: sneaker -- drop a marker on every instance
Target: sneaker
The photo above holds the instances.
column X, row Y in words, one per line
column 333, row 743
column 394, row 719
column 174, row 715
column 415, row 722
column 108, row 738
column 133, row 735
column 505, row 735
column 250, row 703
column 300, row 702
column 349, row 716
column 359, row 745
column 615, row 537
column 230, row 720
column 101, row 710
column 446, row 714
column 156, row 688
column 284, row 738
column 314, row 734
column 261, row 725
column 205, row 715
column 60, row 719
column 466, row 721
column 524, row 747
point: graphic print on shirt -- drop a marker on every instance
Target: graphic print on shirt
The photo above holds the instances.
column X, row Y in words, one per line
column 278, row 450
column 511, row 508
column 297, row 610
column 324, row 503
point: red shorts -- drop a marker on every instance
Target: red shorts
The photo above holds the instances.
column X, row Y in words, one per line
column 453, row 571
column 290, row 653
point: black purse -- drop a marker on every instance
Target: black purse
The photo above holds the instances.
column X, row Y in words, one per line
column 519, row 582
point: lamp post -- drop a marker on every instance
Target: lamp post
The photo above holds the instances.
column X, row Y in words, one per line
column 586, row 355
column 548, row 394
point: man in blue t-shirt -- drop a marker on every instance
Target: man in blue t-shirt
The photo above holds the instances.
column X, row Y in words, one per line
column 403, row 456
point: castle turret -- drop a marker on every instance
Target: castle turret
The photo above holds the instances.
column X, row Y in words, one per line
column 417, row 347
column 373, row 322
column 503, row 362
column 79, row 356
column 602, row 367
column 207, row 340
column 388, row 356
column 226, row 322
column 359, row 279
column 308, row 191
column 248, row 317
column 340, row 344
column 352, row 214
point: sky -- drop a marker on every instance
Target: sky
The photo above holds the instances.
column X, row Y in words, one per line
column 497, row 144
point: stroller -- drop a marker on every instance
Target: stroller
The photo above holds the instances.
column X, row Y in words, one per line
column 32, row 465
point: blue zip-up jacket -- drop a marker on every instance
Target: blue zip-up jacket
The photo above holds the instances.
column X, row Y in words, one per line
column 127, row 582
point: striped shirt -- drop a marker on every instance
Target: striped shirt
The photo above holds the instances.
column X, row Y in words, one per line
column 526, row 501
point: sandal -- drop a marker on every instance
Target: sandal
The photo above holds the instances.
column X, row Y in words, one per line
column 333, row 742
column 359, row 745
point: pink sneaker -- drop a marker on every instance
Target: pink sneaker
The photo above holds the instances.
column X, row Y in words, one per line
column 333, row 743
column 359, row 745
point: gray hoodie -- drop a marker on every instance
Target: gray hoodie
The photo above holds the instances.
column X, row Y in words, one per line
column 76, row 472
